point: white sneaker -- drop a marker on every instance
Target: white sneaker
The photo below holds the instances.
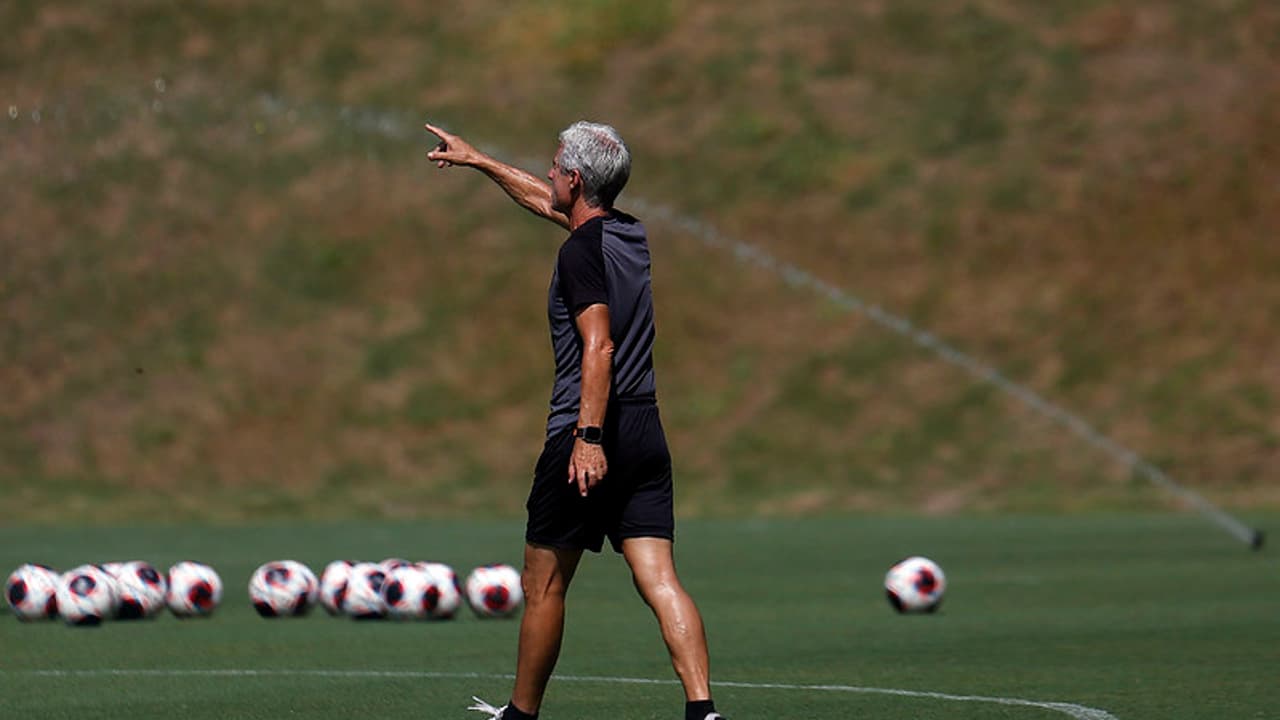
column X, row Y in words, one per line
column 495, row 713
column 714, row 716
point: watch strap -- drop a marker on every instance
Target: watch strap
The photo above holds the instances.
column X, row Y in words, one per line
column 592, row 434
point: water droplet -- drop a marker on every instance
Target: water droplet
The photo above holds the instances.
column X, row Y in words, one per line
column 157, row 106
column 35, row 115
column 159, row 83
column 13, row 112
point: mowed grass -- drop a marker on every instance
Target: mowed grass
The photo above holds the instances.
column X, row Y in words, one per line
column 1136, row 616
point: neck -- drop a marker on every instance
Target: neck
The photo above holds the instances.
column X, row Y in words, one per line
column 581, row 213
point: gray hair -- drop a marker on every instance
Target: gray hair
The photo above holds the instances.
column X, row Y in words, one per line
column 600, row 156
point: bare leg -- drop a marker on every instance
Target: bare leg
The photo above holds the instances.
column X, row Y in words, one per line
column 654, row 571
column 546, row 577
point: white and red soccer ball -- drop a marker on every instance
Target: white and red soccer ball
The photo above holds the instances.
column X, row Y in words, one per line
column 406, row 593
column 363, row 599
column 915, row 585
column 142, row 589
column 333, row 586
column 195, row 589
column 421, row 591
column 31, row 592
column 494, row 590
column 87, row 595
column 283, row 588
column 445, row 596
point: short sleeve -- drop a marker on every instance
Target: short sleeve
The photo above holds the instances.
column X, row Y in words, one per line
column 581, row 273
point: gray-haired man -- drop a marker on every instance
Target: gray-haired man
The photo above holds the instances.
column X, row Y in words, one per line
column 605, row 470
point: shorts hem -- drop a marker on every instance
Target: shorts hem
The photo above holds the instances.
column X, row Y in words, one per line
column 564, row 544
column 616, row 540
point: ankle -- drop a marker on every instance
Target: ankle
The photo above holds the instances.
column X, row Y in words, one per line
column 514, row 713
column 698, row 709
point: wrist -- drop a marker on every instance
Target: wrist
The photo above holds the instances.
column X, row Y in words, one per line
column 590, row 434
column 486, row 163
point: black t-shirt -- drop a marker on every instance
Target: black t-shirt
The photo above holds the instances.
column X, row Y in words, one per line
column 605, row 260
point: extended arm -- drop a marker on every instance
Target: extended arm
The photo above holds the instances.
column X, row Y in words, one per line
column 527, row 190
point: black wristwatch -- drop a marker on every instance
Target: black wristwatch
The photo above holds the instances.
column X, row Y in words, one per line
column 590, row 434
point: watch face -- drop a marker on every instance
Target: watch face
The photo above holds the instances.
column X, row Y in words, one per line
column 591, row 434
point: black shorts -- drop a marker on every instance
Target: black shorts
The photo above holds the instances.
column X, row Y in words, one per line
column 633, row 500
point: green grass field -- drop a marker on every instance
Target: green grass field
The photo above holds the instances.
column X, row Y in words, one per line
column 1122, row 617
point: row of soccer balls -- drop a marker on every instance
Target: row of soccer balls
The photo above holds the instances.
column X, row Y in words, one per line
column 393, row 588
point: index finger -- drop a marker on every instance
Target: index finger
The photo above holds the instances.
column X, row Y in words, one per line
column 437, row 131
column 579, row 476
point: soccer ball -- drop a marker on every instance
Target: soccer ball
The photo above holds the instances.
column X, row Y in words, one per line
column 915, row 585
column 86, row 595
column 445, row 594
column 494, row 590
column 194, row 589
column 283, row 588
column 32, row 592
column 363, row 600
column 142, row 589
column 407, row 592
column 333, row 585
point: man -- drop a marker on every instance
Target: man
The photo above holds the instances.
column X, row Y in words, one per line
column 605, row 469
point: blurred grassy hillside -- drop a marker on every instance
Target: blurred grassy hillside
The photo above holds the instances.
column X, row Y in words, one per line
column 231, row 286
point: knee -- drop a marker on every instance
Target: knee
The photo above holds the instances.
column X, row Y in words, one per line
column 659, row 590
column 537, row 593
